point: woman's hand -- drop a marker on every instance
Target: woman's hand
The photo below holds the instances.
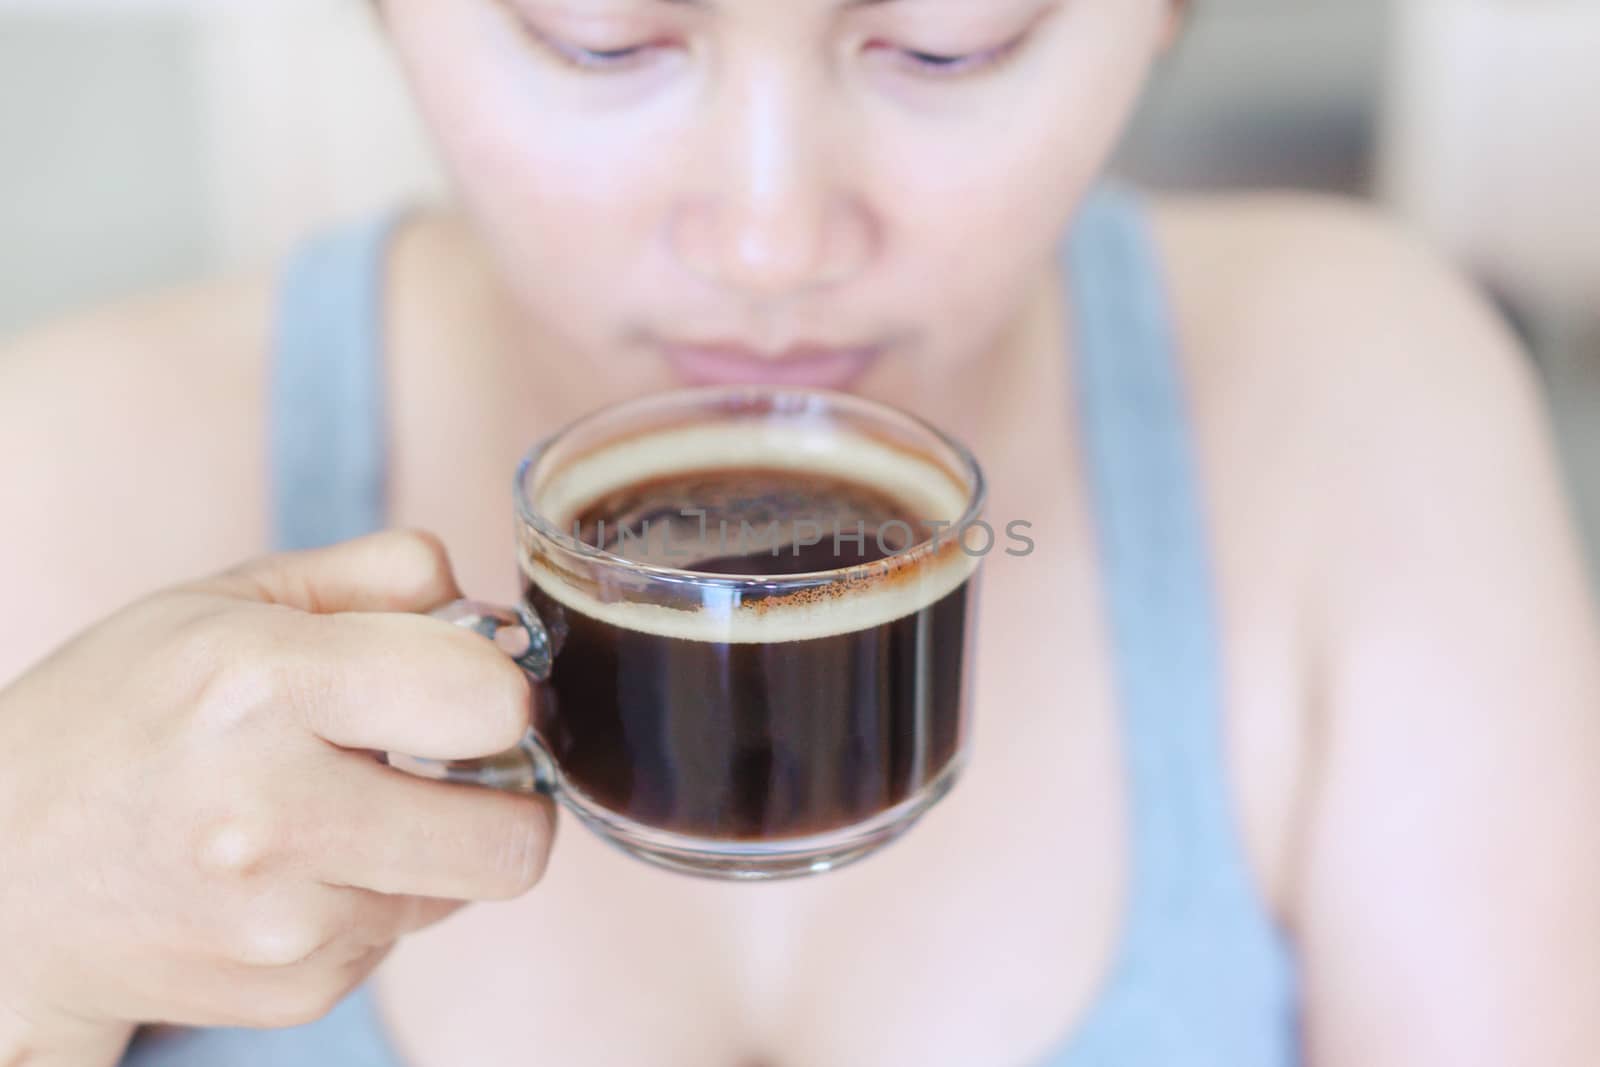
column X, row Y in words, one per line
column 196, row 828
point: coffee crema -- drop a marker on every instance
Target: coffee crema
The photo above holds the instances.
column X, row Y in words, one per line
column 817, row 683
column 749, row 521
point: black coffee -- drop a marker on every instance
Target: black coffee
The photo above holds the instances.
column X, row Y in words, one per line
column 751, row 739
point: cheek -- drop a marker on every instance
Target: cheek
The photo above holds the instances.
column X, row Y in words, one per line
column 976, row 203
column 548, row 184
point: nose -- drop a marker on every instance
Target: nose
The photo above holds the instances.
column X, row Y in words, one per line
column 771, row 212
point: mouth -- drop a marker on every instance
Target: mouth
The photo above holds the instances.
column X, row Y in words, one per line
column 802, row 366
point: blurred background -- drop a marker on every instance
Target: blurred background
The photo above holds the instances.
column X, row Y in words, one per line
column 145, row 142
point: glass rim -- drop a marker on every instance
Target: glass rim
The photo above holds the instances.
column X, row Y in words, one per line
column 531, row 517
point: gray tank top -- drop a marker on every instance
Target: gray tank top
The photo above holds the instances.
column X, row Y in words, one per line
column 1201, row 976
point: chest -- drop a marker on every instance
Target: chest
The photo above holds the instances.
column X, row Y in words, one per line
column 985, row 936
column 980, row 937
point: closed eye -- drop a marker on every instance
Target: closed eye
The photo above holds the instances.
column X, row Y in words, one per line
column 940, row 65
column 945, row 64
column 603, row 60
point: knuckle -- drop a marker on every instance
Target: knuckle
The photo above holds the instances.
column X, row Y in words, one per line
column 421, row 559
column 235, row 670
column 236, row 692
column 236, row 848
column 519, row 857
column 425, row 548
column 277, row 942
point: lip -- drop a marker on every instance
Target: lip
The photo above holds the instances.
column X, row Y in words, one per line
column 802, row 366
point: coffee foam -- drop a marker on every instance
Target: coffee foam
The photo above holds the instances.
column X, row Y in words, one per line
column 893, row 589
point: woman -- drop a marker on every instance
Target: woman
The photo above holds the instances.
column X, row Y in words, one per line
column 1285, row 733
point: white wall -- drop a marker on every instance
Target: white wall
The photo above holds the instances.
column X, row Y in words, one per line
column 144, row 142
column 101, row 185
column 1493, row 141
column 308, row 122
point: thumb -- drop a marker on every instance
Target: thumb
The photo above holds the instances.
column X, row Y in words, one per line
column 401, row 570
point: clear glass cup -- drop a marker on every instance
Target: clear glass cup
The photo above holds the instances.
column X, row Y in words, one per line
column 741, row 725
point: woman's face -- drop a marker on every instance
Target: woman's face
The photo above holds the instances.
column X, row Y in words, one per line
column 791, row 190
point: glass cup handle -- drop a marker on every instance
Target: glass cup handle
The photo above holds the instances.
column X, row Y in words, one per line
column 528, row 768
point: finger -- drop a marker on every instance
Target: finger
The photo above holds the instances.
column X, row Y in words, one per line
column 404, row 570
column 346, row 925
column 420, row 913
column 287, row 961
column 184, row 992
column 403, row 683
column 405, row 836
column 373, row 920
column 236, row 995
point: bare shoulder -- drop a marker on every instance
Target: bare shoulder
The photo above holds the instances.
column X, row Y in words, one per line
column 130, row 446
column 1394, row 539
column 1346, row 368
column 1330, row 286
column 1376, row 435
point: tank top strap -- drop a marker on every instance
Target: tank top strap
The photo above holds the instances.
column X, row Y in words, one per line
column 327, row 415
column 1195, row 924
